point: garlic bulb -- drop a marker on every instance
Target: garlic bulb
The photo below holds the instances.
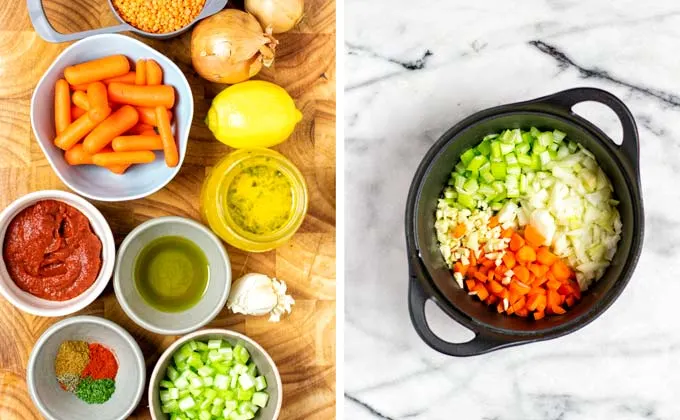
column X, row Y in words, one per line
column 257, row 294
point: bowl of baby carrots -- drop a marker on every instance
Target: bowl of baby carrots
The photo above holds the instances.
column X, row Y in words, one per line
column 112, row 116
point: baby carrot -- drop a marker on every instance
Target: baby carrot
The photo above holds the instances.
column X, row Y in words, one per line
column 80, row 100
column 79, row 88
column 99, row 102
column 169, row 146
column 148, row 115
column 140, row 128
column 151, row 96
column 77, row 155
column 62, row 106
column 118, row 169
column 138, row 142
column 116, row 124
column 74, row 132
column 99, row 69
column 128, row 78
column 109, row 159
column 154, row 73
column 76, row 112
column 140, row 72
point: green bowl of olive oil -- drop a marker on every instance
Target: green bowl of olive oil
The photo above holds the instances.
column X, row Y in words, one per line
column 172, row 275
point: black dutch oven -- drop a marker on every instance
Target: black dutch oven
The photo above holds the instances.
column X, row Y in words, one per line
column 431, row 279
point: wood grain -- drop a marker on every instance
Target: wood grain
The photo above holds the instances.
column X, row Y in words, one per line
column 303, row 344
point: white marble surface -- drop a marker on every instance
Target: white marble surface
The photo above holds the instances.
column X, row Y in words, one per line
column 399, row 99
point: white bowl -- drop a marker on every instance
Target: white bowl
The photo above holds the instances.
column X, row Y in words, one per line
column 99, row 183
column 57, row 404
column 262, row 359
column 172, row 323
column 43, row 307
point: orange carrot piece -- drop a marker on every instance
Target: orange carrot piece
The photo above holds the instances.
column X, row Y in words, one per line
column 76, row 155
column 493, row 222
column 99, row 69
column 74, row 132
column 122, row 158
column 495, row 287
column 558, row 310
column 480, row 276
column 541, row 304
column 148, row 115
column 523, row 312
column 522, row 274
column 570, row 300
column 154, row 73
column 459, row 230
column 516, row 242
column 128, row 78
column 510, row 310
column 532, row 302
column 62, row 106
column 77, row 112
column 491, row 275
column 526, row 254
column 507, row 233
column 520, row 287
column 492, row 299
column 482, row 293
column 545, row 257
column 136, row 143
column 553, row 298
column 509, row 259
column 140, row 128
column 519, row 304
column 553, row 284
column 113, row 126
column 169, row 146
column 560, row 271
column 539, row 315
column 98, row 102
column 533, row 236
column 470, row 284
column 489, row 263
column 473, row 259
column 118, row 169
column 80, row 100
column 140, row 72
column 150, row 96
column 79, row 88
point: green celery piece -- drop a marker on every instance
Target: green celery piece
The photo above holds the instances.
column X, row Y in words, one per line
column 466, row 200
column 558, row 136
column 245, row 395
column 527, row 138
column 546, row 139
column 507, row 148
column 490, row 136
column 172, row 373
column 467, row 156
column 499, row 198
column 260, row 383
column 460, row 168
column 252, row 368
column 536, row 162
column 195, row 361
column 538, row 148
column 535, row 132
column 496, row 149
column 523, row 148
column 487, row 191
column 166, row 384
column 514, row 169
column 260, row 399
column 514, row 193
column 484, row 148
column 471, row 186
column 204, row 415
column 499, row 186
column 487, row 176
column 572, row 146
column 476, row 163
column 170, row 407
column 214, row 344
column 523, row 183
column 496, row 206
column 510, row 158
column 507, row 137
column 201, row 346
column 524, row 160
column 498, row 170
column 459, row 182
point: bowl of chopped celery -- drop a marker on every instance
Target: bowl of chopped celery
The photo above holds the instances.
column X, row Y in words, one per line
column 542, row 174
column 215, row 374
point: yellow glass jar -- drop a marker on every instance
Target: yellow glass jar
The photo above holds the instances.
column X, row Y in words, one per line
column 254, row 199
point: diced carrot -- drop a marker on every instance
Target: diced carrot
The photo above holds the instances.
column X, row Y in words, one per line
column 491, row 275
column 482, row 293
column 570, row 301
column 458, row 267
column 507, row 233
column 538, row 269
column 514, row 295
column 558, row 310
column 539, row 281
column 493, row 222
column 545, row 257
column 560, row 271
column 539, row 315
column 473, row 259
column 542, row 301
column 489, row 263
column 532, row 302
column 471, row 271
column 519, row 304
column 533, row 236
column 470, row 284
column 553, row 285
column 480, row 276
column 459, row 230
column 537, row 291
column 526, row 254
column 491, row 299
column 520, row 287
column 516, row 242
column 509, row 259
column 565, row 289
column 495, row 287
column 553, row 298
column 501, row 269
column 510, row 310
column 522, row 274
column 522, row 312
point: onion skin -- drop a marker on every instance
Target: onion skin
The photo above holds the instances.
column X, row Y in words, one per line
column 230, row 47
column 279, row 15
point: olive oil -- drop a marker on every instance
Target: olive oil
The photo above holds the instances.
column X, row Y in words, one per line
column 171, row 273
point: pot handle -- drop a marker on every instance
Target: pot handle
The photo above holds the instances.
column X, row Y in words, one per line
column 479, row 345
column 568, row 98
column 43, row 27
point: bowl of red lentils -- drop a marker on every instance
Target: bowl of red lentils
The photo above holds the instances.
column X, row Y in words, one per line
column 164, row 18
column 86, row 367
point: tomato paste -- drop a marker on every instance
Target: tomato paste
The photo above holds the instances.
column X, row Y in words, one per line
column 51, row 251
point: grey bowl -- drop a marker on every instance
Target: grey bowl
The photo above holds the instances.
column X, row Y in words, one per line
column 264, row 363
column 57, row 404
column 172, row 323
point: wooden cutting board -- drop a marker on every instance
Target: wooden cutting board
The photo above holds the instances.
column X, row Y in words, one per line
column 303, row 344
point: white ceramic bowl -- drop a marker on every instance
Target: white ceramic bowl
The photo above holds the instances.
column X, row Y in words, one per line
column 263, row 361
column 172, row 323
column 57, row 404
column 42, row 307
column 99, row 183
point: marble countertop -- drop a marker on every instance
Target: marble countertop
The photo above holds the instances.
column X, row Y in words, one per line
column 413, row 69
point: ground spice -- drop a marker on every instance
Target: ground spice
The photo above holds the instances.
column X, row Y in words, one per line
column 103, row 364
column 72, row 358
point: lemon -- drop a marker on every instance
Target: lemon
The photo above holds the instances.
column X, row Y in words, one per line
column 253, row 114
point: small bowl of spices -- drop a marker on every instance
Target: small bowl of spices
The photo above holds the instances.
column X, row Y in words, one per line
column 86, row 367
column 254, row 199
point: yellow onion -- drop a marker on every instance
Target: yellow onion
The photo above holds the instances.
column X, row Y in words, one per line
column 231, row 47
column 279, row 15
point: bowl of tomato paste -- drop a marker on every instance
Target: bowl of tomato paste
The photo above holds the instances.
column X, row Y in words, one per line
column 58, row 253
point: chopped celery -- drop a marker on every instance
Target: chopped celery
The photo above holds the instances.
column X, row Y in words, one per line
column 260, row 399
column 510, row 158
column 466, row 200
column 471, row 186
column 484, row 148
column 467, row 157
column 498, row 170
column 507, row 148
column 476, row 163
column 167, row 384
column 496, row 149
column 558, row 136
column 260, row 383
